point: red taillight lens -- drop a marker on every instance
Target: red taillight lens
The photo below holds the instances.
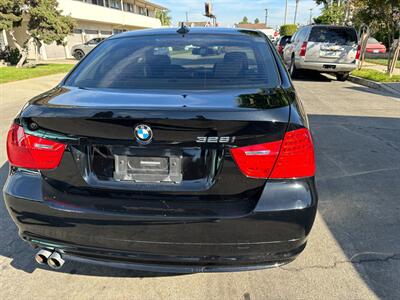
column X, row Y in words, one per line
column 303, row 49
column 32, row 152
column 280, row 49
column 257, row 161
column 296, row 158
column 358, row 54
column 291, row 158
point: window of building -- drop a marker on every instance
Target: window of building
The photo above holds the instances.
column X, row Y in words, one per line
column 116, row 31
column 106, row 32
column 143, row 11
column 98, row 2
column 91, row 31
column 115, row 4
column 128, row 7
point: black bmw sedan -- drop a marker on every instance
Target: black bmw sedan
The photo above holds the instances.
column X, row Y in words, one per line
column 166, row 150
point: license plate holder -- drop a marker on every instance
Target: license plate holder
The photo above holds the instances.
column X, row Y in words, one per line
column 148, row 169
column 329, row 53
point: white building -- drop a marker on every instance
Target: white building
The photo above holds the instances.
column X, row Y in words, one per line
column 94, row 18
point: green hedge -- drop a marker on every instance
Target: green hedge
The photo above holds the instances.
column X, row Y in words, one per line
column 288, row 29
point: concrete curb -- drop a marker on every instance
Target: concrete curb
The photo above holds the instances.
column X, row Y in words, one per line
column 374, row 85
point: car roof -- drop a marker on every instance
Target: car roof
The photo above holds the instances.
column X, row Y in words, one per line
column 195, row 30
column 331, row 26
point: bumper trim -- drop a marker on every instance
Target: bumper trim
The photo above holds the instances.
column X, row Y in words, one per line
column 171, row 268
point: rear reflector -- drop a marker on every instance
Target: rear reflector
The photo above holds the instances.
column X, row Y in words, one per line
column 291, row 158
column 303, row 49
column 32, row 152
column 358, row 54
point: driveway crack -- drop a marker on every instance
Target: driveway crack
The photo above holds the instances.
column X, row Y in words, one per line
column 356, row 259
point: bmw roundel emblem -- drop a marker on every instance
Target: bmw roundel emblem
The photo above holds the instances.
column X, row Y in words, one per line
column 143, row 134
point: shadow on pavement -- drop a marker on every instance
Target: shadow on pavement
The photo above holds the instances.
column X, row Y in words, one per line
column 307, row 75
column 358, row 181
column 365, row 89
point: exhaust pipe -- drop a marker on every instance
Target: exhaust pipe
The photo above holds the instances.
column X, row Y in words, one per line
column 42, row 256
column 55, row 261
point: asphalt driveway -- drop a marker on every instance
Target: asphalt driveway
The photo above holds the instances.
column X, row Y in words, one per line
column 354, row 248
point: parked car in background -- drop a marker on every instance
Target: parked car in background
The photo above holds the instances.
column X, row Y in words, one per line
column 282, row 42
column 373, row 46
column 81, row 50
column 323, row 48
column 142, row 159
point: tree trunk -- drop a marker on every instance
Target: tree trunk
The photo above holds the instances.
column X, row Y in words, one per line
column 24, row 55
column 22, row 50
column 38, row 45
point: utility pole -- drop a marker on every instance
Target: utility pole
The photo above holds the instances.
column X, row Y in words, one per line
column 295, row 12
column 311, row 10
column 266, row 17
column 284, row 22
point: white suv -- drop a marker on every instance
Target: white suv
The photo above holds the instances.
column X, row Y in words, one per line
column 323, row 48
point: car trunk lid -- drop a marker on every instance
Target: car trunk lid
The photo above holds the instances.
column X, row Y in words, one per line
column 191, row 137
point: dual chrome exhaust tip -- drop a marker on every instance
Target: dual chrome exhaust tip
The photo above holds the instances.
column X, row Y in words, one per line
column 52, row 258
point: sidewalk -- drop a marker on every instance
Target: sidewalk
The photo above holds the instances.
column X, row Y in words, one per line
column 380, row 68
column 389, row 87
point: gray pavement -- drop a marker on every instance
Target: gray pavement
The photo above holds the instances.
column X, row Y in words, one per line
column 354, row 248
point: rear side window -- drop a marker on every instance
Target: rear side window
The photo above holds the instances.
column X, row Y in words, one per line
column 195, row 61
column 334, row 35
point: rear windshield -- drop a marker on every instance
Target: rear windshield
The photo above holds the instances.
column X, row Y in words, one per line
column 335, row 35
column 192, row 61
column 372, row 41
column 284, row 40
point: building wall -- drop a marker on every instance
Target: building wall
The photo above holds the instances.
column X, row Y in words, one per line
column 91, row 12
column 92, row 21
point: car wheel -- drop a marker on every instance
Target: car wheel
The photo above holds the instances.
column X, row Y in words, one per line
column 294, row 72
column 342, row 76
column 79, row 54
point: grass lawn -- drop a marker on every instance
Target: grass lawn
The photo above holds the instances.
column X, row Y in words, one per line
column 8, row 74
column 381, row 61
column 375, row 75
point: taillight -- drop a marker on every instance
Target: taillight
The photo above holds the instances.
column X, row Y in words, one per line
column 32, row 152
column 296, row 158
column 358, row 54
column 280, row 49
column 303, row 49
column 291, row 158
column 257, row 161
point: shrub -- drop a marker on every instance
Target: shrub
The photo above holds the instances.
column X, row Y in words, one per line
column 288, row 29
column 10, row 55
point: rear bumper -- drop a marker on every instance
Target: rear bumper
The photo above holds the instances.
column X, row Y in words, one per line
column 328, row 67
column 273, row 233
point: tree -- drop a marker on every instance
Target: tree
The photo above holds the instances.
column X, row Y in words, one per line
column 256, row 21
column 288, row 29
column 380, row 16
column 44, row 23
column 163, row 16
column 333, row 14
column 10, row 17
column 244, row 21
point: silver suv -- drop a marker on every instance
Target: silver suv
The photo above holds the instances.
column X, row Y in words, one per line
column 79, row 51
column 323, row 48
